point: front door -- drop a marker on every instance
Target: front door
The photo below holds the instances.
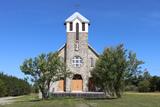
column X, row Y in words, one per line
column 77, row 83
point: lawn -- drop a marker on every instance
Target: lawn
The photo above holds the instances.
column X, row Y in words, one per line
column 128, row 100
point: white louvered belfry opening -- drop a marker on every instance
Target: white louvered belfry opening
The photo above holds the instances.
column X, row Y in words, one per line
column 77, row 61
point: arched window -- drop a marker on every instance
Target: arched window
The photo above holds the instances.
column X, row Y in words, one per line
column 77, row 61
column 76, row 46
column 77, row 31
column 83, row 26
column 61, row 59
column 92, row 62
column 71, row 26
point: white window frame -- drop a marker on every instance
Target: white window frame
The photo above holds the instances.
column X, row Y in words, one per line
column 77, row 61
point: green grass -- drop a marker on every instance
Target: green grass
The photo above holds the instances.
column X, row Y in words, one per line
column 128, row 100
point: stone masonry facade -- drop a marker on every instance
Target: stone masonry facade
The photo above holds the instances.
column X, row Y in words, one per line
column 84, row 51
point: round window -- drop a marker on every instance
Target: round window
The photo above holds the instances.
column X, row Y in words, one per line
column 77, row 61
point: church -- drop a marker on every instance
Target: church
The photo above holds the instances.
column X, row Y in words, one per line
column 78, row 55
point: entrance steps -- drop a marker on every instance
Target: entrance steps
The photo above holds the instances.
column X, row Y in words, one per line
column 79, row 94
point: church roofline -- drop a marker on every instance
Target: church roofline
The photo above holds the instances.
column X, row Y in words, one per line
column 93, row 50
column 89, row 46
column 64, row 45
column 76, row 15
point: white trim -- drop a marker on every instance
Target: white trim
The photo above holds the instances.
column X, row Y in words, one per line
column 74, row 22
column 77, row 15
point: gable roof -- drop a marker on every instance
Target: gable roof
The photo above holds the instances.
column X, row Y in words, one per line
column 63, row 46
column 77, row 15
column 89, row 46
column 93, row 50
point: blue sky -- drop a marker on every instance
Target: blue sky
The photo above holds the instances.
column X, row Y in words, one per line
column 31, row 27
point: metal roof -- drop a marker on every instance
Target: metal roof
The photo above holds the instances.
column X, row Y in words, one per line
column 77, row 15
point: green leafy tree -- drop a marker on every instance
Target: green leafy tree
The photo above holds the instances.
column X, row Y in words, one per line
column 154, row 83
column 109, row 72
column 65, row 73
column 144, row 86
column 20, row 87
column 2, row 89
column 35, row 88
column 44, row 69
column 133, row 69
column 146, row 75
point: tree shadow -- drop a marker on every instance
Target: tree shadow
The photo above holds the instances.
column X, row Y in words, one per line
column 100, row 98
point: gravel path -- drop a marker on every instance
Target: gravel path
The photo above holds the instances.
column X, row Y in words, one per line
column 7, row 100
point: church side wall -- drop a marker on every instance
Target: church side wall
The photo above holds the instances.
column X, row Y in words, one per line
column 91, row 54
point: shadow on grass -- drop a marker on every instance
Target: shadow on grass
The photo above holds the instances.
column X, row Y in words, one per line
column 35, row 100
column 100, row 98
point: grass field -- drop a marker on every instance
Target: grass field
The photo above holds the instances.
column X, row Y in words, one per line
column 128, row 100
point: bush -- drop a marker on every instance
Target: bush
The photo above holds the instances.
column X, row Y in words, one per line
column 144, row 86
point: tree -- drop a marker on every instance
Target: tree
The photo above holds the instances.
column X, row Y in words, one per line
column 133, row 69
column 146, row 75
column 35, row 88
column 2, row 89
column 144, row 86
column 109, row 71
column 14, row 86
column 154, row 83
column 44, row 69
column 65, row 73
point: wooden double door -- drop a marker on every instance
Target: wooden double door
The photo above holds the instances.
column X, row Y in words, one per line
column 77, row 85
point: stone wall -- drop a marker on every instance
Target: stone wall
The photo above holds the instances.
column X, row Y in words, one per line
column 82, row 52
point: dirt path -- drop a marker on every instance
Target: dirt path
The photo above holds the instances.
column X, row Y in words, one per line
column 7, row 100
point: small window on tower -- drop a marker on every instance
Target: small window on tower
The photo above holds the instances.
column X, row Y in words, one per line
column 71, row 26
column 77, row 31
column 76, row 46
column 83, row 26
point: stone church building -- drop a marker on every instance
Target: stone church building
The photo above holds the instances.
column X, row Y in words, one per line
column 78, row 56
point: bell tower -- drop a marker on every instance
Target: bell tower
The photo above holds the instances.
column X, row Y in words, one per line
column 77, row 47
column 76, row 25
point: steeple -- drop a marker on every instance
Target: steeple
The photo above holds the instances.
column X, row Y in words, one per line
column 76, row 15
column 76, row 19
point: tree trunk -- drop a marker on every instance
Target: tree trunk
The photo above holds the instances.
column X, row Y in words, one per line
column 64, row 84
column 45, row 93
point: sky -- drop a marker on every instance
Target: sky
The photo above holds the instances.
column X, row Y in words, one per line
column 31, row 27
